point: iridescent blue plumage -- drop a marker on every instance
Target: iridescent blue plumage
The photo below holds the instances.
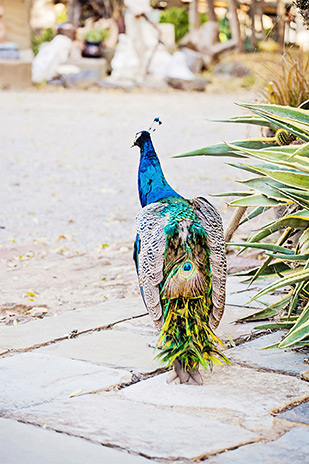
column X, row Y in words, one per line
column 181, row 266
column 152, row 185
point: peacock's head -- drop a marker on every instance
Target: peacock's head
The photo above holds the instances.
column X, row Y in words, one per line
column 142, row 136
column 140, row 139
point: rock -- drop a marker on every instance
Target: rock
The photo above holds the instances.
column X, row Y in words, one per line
column 139, row 53
column 38, row 312
column 291, row 447
column 68, row 69
column 139, row 428
column 194, row 60
column 167, row 37
column 44, row 378
column 238, row 294
column 55, row 448
column 181, row 77
column 138, row 7
column 232, row 68
column 198, row 84
column 125, row 64
column 298, row 414
column 178, row 68
column 51, row 55
column 38, row 332
column 228, row 330
column 220, row 393
column 141, row 325
column 98, row 64
column 275, row 359
column 159, row 65
column 111, row 348
column 124, row 84
column 203, row 38
column 83, row 79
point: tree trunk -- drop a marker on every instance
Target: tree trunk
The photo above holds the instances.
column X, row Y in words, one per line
column 234, row 222
column 281, row 22
column 259, row 12
column 74, row 12
column 234, row 24
column 252, row 15
column 211, row 11
column 194, row 17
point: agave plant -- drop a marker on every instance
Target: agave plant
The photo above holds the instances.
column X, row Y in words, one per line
column 280, row 179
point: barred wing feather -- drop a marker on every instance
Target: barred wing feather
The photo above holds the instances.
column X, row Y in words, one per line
column 211, row 220
column 152, row 243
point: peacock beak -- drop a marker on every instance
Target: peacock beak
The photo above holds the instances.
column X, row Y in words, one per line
column 133, row 144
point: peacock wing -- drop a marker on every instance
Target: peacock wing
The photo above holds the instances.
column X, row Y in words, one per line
column 211, row 220
column 149, row 256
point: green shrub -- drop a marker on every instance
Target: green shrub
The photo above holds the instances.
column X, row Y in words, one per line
column 180, row 18
column 96, row 35
column 46, row 35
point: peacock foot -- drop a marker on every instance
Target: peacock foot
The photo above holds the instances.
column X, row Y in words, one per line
column 178, row 375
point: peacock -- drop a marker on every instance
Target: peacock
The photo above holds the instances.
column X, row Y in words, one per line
column 181, row 266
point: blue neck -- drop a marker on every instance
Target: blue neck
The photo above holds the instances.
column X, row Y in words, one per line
column 152, row 185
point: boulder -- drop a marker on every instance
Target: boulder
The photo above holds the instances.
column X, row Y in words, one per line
column 233, row 68
column 82, row 80
column 178, row 68
column 51, row 55
column 197, row 84
column 194, row 60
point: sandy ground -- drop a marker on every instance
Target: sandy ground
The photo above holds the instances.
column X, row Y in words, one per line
column 68, row 188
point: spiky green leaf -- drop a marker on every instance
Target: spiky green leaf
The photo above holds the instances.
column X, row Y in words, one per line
column 222, row 149
column 257, row 200
column 294, row 278
column 265, row 246
column 270, row 311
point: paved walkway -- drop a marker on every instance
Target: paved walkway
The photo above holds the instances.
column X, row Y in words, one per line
column 85, row 387
column 81, row 385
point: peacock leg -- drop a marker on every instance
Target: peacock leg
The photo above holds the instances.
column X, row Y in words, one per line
column 178, row 375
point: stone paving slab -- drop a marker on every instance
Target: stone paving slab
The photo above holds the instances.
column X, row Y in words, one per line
column 32, row 378
column 142, row 325
column 51, row 328
column 111, row 348
column 298, row 414
column 228, row 390
column 243, row 299
column 291, row 447
column 239, row 294
column 226, row 330
column 139, row 428
column 39, row 446
column 252, row 354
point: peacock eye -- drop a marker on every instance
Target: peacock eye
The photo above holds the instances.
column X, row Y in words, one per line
column 187, row 267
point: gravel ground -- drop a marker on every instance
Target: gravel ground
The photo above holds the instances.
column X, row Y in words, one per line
column 68, row 187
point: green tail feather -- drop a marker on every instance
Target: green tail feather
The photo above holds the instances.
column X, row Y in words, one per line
column 186, row 335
